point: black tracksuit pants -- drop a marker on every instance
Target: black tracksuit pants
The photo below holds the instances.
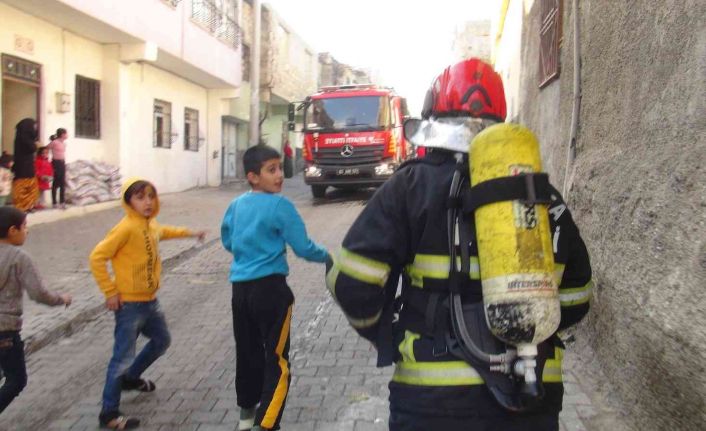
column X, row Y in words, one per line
column 12, row 361
column 262, row 311
column 59, row 182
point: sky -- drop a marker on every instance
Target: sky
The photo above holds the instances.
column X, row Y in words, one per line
column 408, row 43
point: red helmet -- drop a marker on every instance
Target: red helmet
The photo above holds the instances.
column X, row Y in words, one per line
column 469, row 88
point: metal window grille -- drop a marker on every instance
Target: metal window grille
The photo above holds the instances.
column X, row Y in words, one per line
column 219, row 19
column 191, row 129
column 162, row 119
column 87, row 112
column 549, row 36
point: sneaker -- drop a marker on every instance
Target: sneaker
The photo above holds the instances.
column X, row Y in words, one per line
column 142, row 385
column 117, row 421
column 247, row 419
column 62, row 206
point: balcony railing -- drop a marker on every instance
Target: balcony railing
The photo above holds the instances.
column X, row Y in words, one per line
column 213, row 19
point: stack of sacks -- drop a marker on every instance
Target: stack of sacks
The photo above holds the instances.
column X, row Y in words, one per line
column 91, row 182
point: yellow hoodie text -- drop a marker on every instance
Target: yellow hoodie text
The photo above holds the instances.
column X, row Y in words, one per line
column 132, row 247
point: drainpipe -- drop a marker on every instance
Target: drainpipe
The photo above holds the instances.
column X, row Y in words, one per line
column 571, row 152
column 255, row 76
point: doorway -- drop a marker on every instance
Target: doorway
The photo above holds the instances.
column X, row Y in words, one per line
column 229, row 150
column 21, row 89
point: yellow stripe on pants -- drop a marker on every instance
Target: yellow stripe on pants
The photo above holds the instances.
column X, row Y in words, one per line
column 273, row 410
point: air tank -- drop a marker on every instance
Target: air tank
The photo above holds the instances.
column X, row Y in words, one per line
column 515, row 252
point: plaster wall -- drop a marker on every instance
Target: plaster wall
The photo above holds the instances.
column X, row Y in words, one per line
column 171, row 169
column 62, row 55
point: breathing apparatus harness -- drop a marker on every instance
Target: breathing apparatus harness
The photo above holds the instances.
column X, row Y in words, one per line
column 512, row 381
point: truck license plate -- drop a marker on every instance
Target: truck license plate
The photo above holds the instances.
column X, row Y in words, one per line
column 348, row 171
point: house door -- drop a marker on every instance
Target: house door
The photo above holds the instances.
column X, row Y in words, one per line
column 229, row 150
column 21, row 81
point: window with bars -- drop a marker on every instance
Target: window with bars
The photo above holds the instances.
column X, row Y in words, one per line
column 246, row 63
column 191, row 129
column 550, row 38
column 87, row 113
column 162, row 119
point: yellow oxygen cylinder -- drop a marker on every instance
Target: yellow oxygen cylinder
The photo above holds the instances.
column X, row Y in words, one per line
column 515, row 252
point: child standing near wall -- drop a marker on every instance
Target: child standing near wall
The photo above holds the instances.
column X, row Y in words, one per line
column 58, row 163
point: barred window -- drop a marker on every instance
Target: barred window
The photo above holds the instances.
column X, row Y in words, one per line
column 246, row 63
column 191, row 129
column 549, row 36
column 162, row 124
column 87, row 113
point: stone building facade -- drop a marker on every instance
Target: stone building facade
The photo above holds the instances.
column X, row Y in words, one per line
column 635, row 181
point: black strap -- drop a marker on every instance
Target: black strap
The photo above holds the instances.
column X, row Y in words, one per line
column 435, row 322
column 430, row 312
column 530, row 189
column 385, row 344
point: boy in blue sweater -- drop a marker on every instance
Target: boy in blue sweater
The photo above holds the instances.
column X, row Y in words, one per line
column 255, row 229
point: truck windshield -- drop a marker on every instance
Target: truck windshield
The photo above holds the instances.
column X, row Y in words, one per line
column 348, row 113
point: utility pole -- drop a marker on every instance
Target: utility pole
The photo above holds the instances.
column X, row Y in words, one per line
column 255, row 76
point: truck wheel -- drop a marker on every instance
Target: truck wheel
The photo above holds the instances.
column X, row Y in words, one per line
column 318, row 191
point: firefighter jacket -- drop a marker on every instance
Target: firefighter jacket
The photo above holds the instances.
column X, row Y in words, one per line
column 403, row 231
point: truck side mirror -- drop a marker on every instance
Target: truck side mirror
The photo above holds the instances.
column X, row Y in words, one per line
column 411, row 129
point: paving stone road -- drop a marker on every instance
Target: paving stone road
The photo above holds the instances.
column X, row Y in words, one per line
column 335, row 384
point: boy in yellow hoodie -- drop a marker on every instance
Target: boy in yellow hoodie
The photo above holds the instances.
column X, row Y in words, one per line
column 132, row 248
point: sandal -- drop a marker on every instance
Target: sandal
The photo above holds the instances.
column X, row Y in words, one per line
column 116, row 421
column 138, row 384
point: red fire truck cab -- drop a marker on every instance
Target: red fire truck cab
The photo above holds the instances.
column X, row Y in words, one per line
column 352, row 136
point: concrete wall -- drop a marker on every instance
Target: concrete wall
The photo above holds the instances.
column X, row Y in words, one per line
column 290, row 66
column 472, row 39
column 637, row 190
column 171, row 169
column 176, row 34
column 272, row 131
column 62, row 55
column 128, row 91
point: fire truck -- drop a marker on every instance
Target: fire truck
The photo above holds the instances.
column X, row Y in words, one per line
column 352, row 136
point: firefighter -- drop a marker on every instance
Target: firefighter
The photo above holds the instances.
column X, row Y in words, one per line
column 403, row 232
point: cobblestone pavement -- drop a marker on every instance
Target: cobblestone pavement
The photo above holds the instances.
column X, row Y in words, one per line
column 335, row 384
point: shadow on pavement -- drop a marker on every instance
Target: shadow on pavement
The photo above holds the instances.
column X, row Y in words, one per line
column 336, row 196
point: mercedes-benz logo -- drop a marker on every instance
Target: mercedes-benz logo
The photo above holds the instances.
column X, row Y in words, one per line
column 347, row 151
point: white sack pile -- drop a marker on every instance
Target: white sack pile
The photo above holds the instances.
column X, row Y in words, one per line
column 91, row 182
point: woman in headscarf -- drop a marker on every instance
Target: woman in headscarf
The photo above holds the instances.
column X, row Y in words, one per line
column 25, row 190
